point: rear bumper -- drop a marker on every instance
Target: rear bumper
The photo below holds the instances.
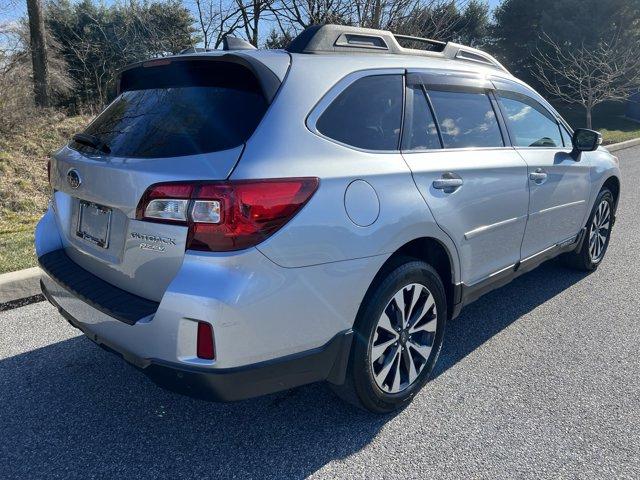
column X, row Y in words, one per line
column 327, row 362
column 279, row 324
column 259, row 311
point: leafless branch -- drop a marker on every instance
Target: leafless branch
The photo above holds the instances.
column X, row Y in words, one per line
column 589, row 76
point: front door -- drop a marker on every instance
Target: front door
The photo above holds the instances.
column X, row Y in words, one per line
column 559, row 185
column 475, row 186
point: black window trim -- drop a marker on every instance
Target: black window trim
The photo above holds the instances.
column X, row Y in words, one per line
column 408, row 119
column 433, row 115
column 448, row 80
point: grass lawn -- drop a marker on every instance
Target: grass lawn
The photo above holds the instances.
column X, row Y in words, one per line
column 16, row 241
column 16, row 250
column 24, row 188
column 608, row 119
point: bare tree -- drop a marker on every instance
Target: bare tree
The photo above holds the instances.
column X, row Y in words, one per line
column 217, row 19
column 589, row 76
column 437, row 19
column 251, row 13
column 430, row 18
column 16, row 75
column 384, row 14
column 38, row 52
column 299, row 14
column 16, row 86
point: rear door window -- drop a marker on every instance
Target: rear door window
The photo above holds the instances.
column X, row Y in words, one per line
column 466, row 119
column 183, row 108
column 367, row 114
column 530, row 124
column 420, row 130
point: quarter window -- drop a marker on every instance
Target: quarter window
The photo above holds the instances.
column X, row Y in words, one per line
column 367, row 114
column 466, row 119
column 530, row 124
column 420, row 131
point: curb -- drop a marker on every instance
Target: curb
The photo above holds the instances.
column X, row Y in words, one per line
column 18, row 285
column 614, row 147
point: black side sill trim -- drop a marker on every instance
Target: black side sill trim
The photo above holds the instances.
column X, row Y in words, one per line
column 470, row 293
column 110, row 300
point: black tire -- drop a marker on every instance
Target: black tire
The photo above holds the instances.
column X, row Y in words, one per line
column 360, row 387
column 581, row 259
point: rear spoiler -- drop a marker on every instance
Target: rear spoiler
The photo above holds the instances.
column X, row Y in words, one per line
column 269, row 81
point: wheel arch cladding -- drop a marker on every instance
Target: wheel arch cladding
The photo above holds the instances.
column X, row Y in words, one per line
column 431, row 251
column 613, row 184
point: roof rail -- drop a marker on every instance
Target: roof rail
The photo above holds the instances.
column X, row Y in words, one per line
column 346, row 39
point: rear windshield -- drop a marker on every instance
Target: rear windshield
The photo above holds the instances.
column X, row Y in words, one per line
column 181, row 108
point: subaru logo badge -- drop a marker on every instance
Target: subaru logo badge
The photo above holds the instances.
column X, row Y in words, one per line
column 73, row 178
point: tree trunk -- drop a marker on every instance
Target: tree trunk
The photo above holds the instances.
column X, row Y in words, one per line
column 257, row 10
column 589, row 124
column 377, row 13
column 38, row 52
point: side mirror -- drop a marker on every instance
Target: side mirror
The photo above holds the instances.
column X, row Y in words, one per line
column 585, row 140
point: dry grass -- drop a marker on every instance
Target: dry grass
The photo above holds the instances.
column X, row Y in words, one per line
column 24, row 189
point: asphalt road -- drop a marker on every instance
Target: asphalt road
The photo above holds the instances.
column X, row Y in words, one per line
column 538, row 379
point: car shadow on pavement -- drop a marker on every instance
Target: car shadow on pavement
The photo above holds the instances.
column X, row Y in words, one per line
column 71, row 410
column 486, row 317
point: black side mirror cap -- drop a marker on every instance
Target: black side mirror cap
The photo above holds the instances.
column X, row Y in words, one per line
column 585, row 140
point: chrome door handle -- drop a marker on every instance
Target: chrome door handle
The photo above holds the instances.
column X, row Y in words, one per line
column 449, row 182
column 539, row 176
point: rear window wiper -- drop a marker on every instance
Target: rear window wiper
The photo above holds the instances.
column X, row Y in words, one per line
column 91, row 141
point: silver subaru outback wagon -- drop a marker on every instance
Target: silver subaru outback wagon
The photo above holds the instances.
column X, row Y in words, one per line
column 240, row 222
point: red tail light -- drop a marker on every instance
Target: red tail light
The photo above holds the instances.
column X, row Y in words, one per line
column 205, row 347
column 225, row 216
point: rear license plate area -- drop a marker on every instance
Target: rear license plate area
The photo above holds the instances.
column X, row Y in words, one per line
column 94, row 223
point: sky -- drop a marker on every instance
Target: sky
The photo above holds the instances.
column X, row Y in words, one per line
column 11, row 10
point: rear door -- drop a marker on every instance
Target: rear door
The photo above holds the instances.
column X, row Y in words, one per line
column 473, row 182
column 183, row 119
column 559, row 185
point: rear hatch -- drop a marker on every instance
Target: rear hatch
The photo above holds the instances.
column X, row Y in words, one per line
column 177, row 119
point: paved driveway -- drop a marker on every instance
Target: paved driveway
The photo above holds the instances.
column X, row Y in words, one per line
column 538, row 379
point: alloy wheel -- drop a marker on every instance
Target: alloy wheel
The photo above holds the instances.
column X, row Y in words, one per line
column 599, row 231
column 403, row 338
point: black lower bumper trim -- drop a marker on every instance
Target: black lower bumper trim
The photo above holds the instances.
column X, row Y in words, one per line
column 103, row 296
column 230, row 384
column 328, row 362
